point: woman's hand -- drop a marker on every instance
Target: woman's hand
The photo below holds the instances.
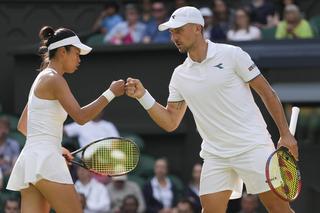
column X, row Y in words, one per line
column 117, row 87
column 67, row 155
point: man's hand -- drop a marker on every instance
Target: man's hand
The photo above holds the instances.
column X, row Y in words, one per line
column 290, row 142
column 134, row 88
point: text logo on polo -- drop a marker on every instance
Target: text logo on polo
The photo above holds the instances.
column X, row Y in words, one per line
column 219, row 66
column 252, row 67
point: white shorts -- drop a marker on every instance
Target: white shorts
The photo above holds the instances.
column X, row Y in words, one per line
column 220, row 174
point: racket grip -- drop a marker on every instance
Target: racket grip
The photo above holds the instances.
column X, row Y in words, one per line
column 294, row 119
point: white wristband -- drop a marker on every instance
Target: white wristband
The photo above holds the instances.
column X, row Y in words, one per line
column 109, row 95
column 147, row 101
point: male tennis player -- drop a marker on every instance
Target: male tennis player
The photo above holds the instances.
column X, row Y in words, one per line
column 214, row 82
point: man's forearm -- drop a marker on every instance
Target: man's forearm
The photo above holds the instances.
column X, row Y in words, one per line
column 274, row 106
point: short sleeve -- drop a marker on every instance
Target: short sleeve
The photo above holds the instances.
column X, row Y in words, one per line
column 174, row 94
column 244, row 66
column 72, row 129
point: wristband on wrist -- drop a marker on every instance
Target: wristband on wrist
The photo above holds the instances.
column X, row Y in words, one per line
column 147, row 101
column 109, row 95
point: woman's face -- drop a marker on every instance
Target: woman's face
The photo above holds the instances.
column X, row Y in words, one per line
column 161, row 168
column 132, row 16
column 72, row 60
column 241, row 18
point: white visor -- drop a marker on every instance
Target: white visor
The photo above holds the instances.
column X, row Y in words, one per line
column 74, row 41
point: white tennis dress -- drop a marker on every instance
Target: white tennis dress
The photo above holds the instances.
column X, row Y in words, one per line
column 41, row 157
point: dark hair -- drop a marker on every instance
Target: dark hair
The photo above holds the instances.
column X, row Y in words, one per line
column 113, row 4
column 128, row 197
column 48, row 36
column 247, row 13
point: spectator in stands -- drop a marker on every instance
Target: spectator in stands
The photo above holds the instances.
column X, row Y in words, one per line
column 129, row 31
column 249, row 203
column 184, row 206
column 207, row 16
column 93, row 130
column 180, row 3
column 160, row 193
column 263, row 14
column 146, row 11
column 96, row 195
column 119, row 188
column 11, row 205
column 9, row 148
column 242, row 29
column 282, row 4
column 192, row 191
column 159, row 15
column 130, row 204
column 108, row 18
column 293, row 26
column 222, row 20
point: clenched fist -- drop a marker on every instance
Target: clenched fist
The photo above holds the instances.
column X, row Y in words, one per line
column 134, row 88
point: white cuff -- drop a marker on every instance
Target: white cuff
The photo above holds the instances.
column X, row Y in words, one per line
column 109, row 95
column 147, row 101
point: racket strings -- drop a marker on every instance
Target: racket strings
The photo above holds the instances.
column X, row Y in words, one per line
column 289, row 176
column 112, row 157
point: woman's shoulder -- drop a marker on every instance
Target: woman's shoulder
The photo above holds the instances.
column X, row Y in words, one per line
column 51, row 77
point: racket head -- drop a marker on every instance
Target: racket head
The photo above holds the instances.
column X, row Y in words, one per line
column 112, row 156
column 283, row 174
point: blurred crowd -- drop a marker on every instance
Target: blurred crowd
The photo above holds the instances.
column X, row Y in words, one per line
column 150, row 188
column 122, row 24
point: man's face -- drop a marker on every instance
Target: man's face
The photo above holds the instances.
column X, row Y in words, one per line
column 158, row 11
column 11, row 207
column 161, row 168
column 184, row 37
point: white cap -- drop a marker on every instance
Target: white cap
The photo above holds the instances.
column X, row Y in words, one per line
column 183, row 16
column 205, row 11
column 120, row 178
column 74, row 41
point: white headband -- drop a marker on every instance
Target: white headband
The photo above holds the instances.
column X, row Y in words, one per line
column 74, row 41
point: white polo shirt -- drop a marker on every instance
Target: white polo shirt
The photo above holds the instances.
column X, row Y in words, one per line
column 219, row 97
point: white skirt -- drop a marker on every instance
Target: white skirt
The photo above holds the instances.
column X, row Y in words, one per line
column 39, row 160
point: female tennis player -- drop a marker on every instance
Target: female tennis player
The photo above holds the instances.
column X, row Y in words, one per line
column 41, row 173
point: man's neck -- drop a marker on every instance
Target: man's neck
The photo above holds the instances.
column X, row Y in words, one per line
column 199, row 51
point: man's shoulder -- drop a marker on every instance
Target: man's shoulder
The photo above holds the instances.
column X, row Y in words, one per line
column 223, row 47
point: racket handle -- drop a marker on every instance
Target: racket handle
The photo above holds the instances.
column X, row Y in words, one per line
column 294, row 119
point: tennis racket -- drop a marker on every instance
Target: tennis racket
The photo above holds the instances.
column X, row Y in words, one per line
column 109, row 156
column 282, row 171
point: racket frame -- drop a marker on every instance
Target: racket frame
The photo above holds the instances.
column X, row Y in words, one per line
column 269, row 180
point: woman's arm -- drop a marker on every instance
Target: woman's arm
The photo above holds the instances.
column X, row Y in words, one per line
column 22, row 124
column 81, row 115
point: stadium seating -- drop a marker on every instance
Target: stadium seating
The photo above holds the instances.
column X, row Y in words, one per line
column 268, row 33
column 95, row 40
column 315, row 24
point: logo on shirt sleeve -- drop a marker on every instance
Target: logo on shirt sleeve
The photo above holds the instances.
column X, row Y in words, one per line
column 252, row 67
